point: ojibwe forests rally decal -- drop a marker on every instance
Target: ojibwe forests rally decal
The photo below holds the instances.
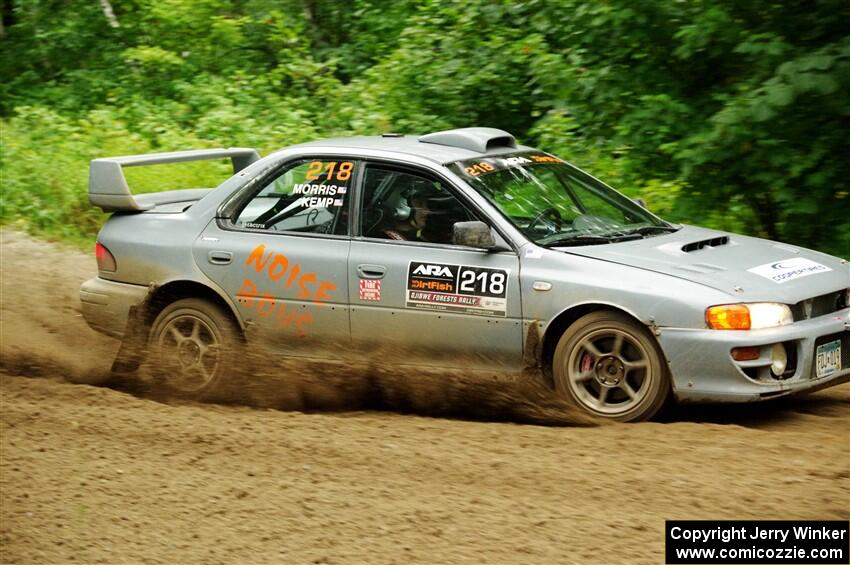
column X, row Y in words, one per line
column 457, row 288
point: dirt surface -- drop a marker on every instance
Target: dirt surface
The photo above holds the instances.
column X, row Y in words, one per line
column 116, row 474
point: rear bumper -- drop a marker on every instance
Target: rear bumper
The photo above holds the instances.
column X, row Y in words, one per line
column 106, row 304
column 702, row 368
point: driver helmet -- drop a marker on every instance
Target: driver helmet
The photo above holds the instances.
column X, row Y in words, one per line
column 417, row 190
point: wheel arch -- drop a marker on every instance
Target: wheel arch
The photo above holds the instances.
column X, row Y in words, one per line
column 162, row 296
column 559, row 324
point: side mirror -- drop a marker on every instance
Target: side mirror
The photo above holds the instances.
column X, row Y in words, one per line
column 473, row 234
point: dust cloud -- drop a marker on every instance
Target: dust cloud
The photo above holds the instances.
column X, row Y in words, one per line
column 43, row 334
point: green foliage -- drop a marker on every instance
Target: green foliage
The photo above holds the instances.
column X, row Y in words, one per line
column 45, row 163
column 717, row 112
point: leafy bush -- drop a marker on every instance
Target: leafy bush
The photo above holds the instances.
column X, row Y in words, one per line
column 721, row 113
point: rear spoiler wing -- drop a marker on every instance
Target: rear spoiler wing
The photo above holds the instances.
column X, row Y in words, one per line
column 108, row 187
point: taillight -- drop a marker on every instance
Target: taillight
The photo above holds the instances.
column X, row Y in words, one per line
column 105, row 260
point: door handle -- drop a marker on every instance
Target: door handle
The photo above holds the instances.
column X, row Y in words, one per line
column 220, row 257
column 371, row 271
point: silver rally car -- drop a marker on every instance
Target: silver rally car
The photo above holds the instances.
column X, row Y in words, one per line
column 461, row 250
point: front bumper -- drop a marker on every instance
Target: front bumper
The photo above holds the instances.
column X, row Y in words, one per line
column 702, row 368
column 106, row 304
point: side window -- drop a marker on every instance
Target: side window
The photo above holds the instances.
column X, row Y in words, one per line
column 309, row 196
column 408, row 207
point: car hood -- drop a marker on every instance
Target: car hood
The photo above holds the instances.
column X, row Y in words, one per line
column 746, row 268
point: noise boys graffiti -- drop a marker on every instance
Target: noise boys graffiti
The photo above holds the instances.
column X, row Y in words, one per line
column 278, row 268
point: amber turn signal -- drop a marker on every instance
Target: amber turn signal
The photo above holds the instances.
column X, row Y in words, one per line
column 728, row 317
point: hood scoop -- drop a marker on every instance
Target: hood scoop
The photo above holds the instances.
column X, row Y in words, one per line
column 473, row 139
column 713, row 242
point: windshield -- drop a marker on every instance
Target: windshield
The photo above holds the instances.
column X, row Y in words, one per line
column 553, row 203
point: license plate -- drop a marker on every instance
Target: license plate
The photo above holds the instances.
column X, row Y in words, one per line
column 828, row 358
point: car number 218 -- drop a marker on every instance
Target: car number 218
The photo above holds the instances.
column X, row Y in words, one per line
column 480, row 281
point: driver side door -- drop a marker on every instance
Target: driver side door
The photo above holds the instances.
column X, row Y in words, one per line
column 423, row 300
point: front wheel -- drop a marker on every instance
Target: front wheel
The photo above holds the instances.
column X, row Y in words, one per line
column 193, row 347
column 611, row 367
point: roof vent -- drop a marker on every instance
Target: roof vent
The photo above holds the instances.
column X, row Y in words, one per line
column 480, row 140
column 713, row 242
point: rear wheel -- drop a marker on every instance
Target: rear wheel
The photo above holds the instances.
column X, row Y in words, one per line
column 193, row 347
column 612, row 367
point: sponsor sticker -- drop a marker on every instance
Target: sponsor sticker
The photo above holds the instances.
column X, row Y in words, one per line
column 478, row 167
column 457, row 288
column 789, row 269
column 370, row 289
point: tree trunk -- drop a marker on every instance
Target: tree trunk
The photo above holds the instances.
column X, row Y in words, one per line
column 109, row 14
column 765, row 210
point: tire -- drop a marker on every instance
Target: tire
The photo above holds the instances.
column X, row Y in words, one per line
column 193, row 347
column 612, row 367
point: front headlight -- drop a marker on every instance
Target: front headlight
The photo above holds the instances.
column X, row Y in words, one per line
column 748, row 316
